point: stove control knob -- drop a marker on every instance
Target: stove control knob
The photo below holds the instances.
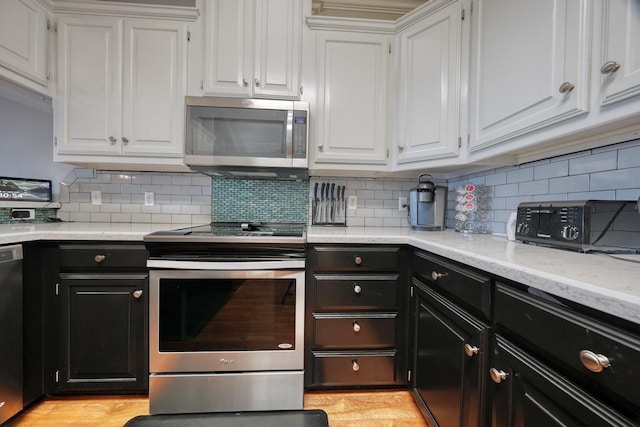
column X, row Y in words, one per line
column 522, row 228
column 570, row 232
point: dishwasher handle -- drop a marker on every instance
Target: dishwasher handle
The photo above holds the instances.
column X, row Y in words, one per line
column 10, row 253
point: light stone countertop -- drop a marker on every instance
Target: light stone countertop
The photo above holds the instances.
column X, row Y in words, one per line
column 599, row 281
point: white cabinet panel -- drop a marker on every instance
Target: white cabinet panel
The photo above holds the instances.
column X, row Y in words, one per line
column 227, row 46
column 89, row 86
column 23, row 39
column 120, row 90
column 252, row 47
column 530, row 64
column 154, row 87
column 429, row 95
column 621, row 45
column 352, row 98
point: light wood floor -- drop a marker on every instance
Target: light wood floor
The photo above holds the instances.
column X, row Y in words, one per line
column 345, row 409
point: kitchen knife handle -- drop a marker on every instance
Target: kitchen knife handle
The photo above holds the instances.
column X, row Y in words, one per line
column 315, row 192
column 333, row 188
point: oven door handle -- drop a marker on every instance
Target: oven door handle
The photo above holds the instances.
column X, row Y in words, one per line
column 227, row 265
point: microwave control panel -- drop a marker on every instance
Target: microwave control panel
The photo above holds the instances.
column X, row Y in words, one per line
column 299, row 134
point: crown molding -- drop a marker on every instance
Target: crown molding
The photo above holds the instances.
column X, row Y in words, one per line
column 358, row 25
column 130, row 10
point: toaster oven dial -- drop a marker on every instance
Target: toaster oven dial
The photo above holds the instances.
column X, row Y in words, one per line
column 570, row 232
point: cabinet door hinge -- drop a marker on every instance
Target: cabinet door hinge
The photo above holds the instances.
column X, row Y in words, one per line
column 188, row 36
column 411, row 291
column 408, row 376
column 301, row 90
column 57, row 376
column 48, row 24
column 57, row 288
column 389, row 47
column 471, row 8
column 459, row 141
column 387, row 153
column 55, row 141
column 462, row 14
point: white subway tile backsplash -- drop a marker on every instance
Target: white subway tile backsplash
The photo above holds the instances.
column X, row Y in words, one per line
column 506, row 190
column 496, row 179
column 520, row 175
column 569, row 184
column 551, row 170
column 533, row 187
column 594, row 163
column 602, row 195
column 615, row 180
column 629, row 157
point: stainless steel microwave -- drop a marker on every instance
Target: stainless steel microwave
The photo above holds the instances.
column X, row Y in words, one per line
column 252, row 137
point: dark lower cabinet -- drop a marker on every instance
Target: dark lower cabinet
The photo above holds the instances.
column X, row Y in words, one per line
column 103, row 321
column 450, row 361
column 526, row 392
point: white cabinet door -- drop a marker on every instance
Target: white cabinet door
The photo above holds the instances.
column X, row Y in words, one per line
column 89, row 86
column 352, row 98
column 620, row 60
column 252, row 47
column 428, row 94
column 154, row 88
column 277, row 43
column 228, row 47
column 529, row 69
column 23, row 38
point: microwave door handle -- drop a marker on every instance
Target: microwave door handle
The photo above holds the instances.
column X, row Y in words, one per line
column 289, row 135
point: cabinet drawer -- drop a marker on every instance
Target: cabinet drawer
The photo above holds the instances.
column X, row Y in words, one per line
column 355, row 369
column 561, row 334
column 357, row 293
column 103, row 256
column 353, row 258
column 468, row 287
column 356, row 332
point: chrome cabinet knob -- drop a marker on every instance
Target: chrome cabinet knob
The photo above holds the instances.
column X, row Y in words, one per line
column 137, row 293
column 497, row 376
column 400, row 148
column 609, row 67
column 435, row 275
column 99, row 258
column 357, row 289
column 112, row 140
column 354, row 365
column 245, row 83
column 125, row 140
column 594, row 362
column 566, row 87
column 356, row 326
column 357, row 260
column 470, row 350
column 257, row 82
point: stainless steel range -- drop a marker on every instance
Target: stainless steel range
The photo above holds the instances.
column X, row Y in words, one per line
column 226, row 318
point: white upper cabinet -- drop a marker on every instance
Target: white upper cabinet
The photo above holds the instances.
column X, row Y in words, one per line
column 620, row 61
column 23, row 42
column 121, row 86
column 253, row 48
column 352, row 111
column 530, row 67
column 428, row 110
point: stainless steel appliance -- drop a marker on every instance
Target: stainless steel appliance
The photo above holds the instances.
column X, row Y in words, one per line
column 584, row 225
column 240, row 138
column 427, row 205
column 226, row 318
column 11, row 375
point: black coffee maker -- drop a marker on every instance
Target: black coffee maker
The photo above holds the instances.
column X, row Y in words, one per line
column 427, row 205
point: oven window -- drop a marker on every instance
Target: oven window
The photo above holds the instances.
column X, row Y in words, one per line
column 224, row 314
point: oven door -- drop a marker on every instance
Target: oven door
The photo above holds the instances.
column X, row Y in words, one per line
column 226, row 320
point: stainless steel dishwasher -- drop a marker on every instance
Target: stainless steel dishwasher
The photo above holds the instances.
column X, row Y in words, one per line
column 11, row 377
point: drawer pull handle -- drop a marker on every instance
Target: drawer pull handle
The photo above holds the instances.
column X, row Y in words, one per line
column 354, row 365
column 356, row 327
column 99, row 258
column 610, row 67
column 435, row 275
column 357, row 260
column 566, row 87
column 137, row 293
column 594, row 362
column 357, row 289
column 470, row 350
column 497, row 376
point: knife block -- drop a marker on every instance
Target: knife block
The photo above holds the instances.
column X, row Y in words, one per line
column 321, row 212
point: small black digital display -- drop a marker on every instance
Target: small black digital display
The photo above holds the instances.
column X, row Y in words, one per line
column 301, row 120
column 25, row 190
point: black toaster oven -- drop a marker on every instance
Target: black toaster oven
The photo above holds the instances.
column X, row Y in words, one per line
column 583, row 225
